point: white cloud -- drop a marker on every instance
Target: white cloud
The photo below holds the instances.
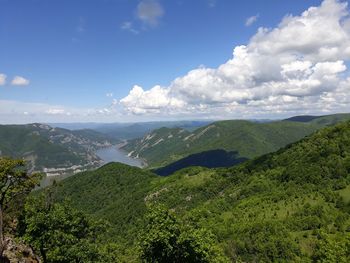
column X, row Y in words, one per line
column 109, row 94
column 2, row 79
column 55, row 111
column 139, row 101
column 297, row 67
column 251, row 20
column 128, row 26
column 19, row 81
column 26, row 112
column 150, row 12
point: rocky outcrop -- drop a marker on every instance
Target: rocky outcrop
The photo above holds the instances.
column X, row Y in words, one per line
column 18, row 252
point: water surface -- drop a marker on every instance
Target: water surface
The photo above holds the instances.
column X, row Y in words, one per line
column 107, row 154
column 114, row 154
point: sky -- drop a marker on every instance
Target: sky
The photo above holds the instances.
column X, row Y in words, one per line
column 146, row 60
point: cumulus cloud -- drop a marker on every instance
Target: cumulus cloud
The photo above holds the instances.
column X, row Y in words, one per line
column 298, row 66
column 20, row 81
column 251, row 20
column 150, row 12
column 2, row 79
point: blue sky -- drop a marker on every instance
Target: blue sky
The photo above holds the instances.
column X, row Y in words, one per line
column 74, row 54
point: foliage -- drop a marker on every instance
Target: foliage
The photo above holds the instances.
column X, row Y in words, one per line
column 58, row 232
column 115, row 193
column 15, row 182
column 165, row 239
column 333, row 248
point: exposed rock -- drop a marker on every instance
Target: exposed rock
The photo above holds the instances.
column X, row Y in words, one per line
column 17, row 252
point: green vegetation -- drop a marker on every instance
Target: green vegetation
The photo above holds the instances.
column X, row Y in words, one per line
column 15, row 183
column 292, row 205
column 249, row 139
column 59, row 233
column 43, row 146
column 165, row 239
column 115, row 192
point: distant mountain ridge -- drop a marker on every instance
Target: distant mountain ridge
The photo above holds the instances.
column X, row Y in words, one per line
column 249, row 139
column 302, row 118
column 52, row 150
column 322, row 119
column 124, row 131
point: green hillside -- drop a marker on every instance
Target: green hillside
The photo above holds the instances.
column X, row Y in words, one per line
column 47, row 147
column 249, row 139
column 331, row 119
column 321, row 120
column 292, row 205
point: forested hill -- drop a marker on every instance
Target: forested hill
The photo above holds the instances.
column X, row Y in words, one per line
column 289, row 206
column 46, row 147
column 321, row 120
column 248, row 139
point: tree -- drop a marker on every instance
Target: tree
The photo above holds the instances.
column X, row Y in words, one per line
column 15, row 181
column 59, row 232
column 166, row 239
column 332, row 248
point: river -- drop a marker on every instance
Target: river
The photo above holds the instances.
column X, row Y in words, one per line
column 107, row 154
column 114, row 154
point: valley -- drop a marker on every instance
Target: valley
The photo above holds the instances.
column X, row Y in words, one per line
column 289, row 202
column 296, row 194
column 154, row 131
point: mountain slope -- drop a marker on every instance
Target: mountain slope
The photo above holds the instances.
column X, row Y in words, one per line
column 127, row 131
column 209, row 159
column 292, row 205
column 51, row 148
column 248, row 139
column 325, row 120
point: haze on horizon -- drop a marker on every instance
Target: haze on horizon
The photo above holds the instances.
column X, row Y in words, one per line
column 146, row 60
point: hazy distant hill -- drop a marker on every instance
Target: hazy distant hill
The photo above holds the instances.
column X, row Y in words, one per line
column 47, row 147
column 131, row 130
column 288, row 206
column 321, row 120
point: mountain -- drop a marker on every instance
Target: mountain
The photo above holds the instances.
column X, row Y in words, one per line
column 136, row 130
column 209, row 159
column 325, row 120
column 302, row 118
column 126, row 131
column 289, row 206
column 249, row 139
column 52, row 150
